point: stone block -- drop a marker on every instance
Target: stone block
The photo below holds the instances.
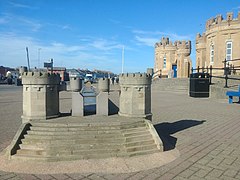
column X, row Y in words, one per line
column 102, row 104
column 76, row 84
column 77, row 104
column 103, row 85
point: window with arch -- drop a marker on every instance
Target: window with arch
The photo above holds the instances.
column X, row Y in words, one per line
column 229, row 50
column 211, row 53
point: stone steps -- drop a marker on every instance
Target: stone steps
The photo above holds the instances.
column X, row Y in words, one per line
column 87, row 127
column 46, row 145
column 39, row 158
column 88, row 140
column 171, row 84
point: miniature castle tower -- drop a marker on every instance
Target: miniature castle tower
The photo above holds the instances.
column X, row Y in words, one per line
column 220, row 41
column 172, row 59
column 135, row 96
column 40, row 96
column 102, row 96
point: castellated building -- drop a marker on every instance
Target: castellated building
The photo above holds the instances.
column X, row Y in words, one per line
column 220, row 41
column 172, row 59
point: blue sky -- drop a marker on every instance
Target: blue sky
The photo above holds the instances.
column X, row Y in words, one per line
column 91, row 33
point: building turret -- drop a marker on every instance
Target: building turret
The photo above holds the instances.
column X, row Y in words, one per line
column 170, row 57
column 220, row 41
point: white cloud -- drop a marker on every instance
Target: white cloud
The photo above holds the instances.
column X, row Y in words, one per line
column 114, row 21
column 3, row 20
column 146, row 41
column 66, row 27
column 35, row 26
column 20, row 5
column 105, row 45
column 13, row 53
column 20, row 22
column 149, row 38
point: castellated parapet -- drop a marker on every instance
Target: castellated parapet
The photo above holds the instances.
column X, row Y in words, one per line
column 135, row 96
column 171, row 57
column 200, row 41
column 40, row 96
column 41, row 78
column 218, row 21
column 180, row 46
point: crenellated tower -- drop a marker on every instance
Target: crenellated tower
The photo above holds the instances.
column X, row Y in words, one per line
column 40, row 96
column 220, row 41
column 172, row 59
column 200, row 50
column 135, row 96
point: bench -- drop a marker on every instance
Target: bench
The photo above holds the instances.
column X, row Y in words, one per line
column 231, row 94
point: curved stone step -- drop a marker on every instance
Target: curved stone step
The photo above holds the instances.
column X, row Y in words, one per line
column 30, row 140
column 136, row 133
column 49, row 133
column 142, row 148
column 139, row 138
column 73, row 136
column 41, row 146
column 71, row 146
column 138, row 153
column 87, row 125
column 39, row 158
column 141, row 142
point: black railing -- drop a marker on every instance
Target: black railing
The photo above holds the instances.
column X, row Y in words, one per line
column 158, row 73
column 227, row 69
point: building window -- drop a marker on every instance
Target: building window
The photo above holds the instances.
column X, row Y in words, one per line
column 229, row 50
column 164, row 62
column 212, row 53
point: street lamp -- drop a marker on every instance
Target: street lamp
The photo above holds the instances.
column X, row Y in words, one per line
column 122, row 58
column 39, row 57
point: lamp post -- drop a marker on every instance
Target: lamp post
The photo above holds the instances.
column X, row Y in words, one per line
column 39, row 57
column 122, row 58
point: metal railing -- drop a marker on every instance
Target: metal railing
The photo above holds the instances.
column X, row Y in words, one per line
column 227, row 69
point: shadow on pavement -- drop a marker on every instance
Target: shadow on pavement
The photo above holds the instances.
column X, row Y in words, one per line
column 112, row 108
column 165, row 130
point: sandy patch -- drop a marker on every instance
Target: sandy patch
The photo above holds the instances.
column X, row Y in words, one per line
column 109, row 165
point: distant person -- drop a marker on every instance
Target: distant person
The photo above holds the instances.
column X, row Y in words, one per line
column 113, row 80
column 117, row 80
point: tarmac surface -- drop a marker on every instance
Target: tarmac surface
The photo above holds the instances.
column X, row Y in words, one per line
column 205, row 131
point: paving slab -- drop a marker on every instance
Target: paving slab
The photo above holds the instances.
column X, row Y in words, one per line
column 205, row 131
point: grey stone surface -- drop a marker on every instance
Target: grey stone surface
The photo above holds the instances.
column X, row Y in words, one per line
column 76, row 84
column 40, row 95
column 77, row 104
column 201, row 129
column 135, row 96
column 102, row 104
column 104, row 85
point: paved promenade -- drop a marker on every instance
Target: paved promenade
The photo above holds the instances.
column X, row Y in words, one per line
column 205, row 131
